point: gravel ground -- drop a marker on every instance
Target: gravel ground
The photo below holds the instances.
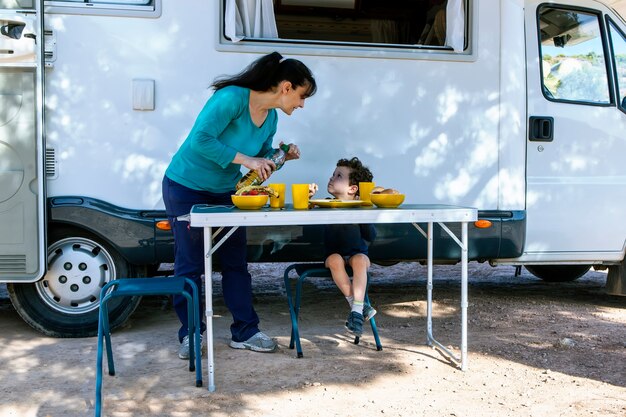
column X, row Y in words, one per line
column 535, row 349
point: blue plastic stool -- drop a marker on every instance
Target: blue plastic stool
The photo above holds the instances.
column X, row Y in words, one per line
column 140, row 287
column 313, row 270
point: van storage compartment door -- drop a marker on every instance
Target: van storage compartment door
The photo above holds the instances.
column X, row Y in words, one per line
column 22, row 200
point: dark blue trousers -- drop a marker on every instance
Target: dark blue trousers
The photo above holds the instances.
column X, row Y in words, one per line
column 189, row 260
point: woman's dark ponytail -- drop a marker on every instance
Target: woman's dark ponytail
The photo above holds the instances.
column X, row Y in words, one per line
column 267, row 72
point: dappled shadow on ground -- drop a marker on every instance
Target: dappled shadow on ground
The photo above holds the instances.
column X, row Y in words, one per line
column 556, row 329
column 562, row 327
column 570, row 328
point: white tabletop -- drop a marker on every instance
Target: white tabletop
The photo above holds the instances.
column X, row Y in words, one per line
column 217, row 216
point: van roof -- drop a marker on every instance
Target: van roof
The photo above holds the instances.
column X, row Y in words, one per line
column 618, row 5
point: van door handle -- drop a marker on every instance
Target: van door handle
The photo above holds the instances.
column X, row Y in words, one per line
column 13, row 30
column 540, row 129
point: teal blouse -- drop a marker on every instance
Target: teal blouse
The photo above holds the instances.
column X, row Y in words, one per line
column 223, row 128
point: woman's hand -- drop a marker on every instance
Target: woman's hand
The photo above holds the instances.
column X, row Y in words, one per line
column 293, row 153
column 263, row 167
column 312, row 189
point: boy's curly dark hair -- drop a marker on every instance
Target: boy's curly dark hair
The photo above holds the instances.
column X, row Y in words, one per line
column 358, row 171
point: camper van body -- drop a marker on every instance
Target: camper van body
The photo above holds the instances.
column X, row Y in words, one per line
column 99, row 107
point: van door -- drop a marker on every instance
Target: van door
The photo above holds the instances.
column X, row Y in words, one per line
column 22, row 198
column 576, row 176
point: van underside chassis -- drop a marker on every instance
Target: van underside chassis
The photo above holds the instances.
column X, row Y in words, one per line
column 91, row 242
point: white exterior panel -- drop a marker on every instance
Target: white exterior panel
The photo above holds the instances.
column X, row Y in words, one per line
column 426, row 127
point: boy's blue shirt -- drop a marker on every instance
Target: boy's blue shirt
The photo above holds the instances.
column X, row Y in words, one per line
column 223, row 128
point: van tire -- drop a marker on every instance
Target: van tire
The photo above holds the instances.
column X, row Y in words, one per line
column 558, row 273
column 66, row 304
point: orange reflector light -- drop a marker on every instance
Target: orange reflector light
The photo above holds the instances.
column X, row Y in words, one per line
column 482, row 224
column 164, row 225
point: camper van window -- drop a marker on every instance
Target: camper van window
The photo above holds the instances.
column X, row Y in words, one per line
column 417, row 24
column 95, row 2
column 17, row 4
column 574, row 64
column 139, row 8
column 618, row 44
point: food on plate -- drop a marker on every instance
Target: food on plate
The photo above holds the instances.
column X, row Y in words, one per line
column 382, row 190
column 390, row 191
column 335, row 202
column 257, row 190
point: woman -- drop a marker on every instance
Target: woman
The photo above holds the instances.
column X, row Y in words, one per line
column 235, row 127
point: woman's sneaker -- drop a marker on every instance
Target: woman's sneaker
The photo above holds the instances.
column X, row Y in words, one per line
column 260, row 342
column 354, row 324
column 183, row 350
column 368, row 311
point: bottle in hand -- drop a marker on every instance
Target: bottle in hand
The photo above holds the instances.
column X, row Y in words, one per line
column 275, row 155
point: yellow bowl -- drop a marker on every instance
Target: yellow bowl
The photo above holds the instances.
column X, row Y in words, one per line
column 387, row 200
column 249, row 202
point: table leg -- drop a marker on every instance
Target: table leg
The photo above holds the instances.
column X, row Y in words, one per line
column 464, row 296
column 462, row 361
column 429, row 286
column 208, row 297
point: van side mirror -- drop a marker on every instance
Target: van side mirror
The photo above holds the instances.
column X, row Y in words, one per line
column 624, row 103
column 561, row 41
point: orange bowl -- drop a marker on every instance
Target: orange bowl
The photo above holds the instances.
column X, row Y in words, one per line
column 249, row 202
column 387, row 200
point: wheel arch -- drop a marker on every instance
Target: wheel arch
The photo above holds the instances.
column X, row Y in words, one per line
column 130, row 232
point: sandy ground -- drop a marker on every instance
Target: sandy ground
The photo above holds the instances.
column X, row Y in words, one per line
column 536, row 349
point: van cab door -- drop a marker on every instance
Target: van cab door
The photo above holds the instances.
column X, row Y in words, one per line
column 576, row 175
column 22, row 198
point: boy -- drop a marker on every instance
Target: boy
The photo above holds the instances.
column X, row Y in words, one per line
column 345, row 244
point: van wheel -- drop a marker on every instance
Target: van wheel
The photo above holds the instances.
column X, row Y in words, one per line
column 64, row 303
column 558, row 273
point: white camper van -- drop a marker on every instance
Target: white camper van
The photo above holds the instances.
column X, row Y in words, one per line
column 514, row 107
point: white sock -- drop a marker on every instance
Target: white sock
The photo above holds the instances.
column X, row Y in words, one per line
column 357, row 306
column 350, row 300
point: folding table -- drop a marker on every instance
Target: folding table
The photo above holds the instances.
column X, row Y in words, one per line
column 219, row 217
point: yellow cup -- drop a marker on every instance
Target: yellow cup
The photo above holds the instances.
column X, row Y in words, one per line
column 365, row 189
column 278, row 202
column 300, row 195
